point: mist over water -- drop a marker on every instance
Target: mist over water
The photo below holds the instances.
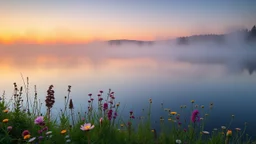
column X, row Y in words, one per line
column 166, row 72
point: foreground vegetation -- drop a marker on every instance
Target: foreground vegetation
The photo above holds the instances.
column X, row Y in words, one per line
column 102, row 123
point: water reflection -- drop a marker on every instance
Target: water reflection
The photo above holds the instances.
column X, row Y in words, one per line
column 166, row 73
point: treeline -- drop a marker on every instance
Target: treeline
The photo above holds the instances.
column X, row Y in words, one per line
column 246, row 35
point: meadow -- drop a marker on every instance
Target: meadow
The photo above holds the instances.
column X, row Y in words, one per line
column 23, row 121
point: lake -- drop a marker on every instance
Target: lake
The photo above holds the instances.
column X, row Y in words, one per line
column 169, row 74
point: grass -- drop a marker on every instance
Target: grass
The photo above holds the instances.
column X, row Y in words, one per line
column 102, row 123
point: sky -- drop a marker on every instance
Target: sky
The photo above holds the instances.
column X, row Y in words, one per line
column 86, row 20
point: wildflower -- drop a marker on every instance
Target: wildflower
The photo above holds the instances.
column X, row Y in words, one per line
column 152, row 130
column 31, row 140
column 110, row 114
column 122, row 125
column 233, row 116
column 206, row 114
column 229, row 133
column 40, row 137
column 195, row 116
column 238, row 129
column 185, row 130
column 184, row 106
column 63, row 131
column 205, row 132
column 179, row 123
column 223, row 127
column 178, row 141
column 202, row 106
column 67, row 136
column 40, row 131
column 215, row 129
column 6, row 111
column 105, row 106
column 27, row 137
column 181, row 107
column 68, row 141
column 118, row 104
column 89, row 94
column 173, row 113
column 86, row 127
column 101, row 91
column 192, row 101
column 196, row 106
column 131, row 112
column 9, row 128
column 25, row 132
column 161, row 119
column 150, row 100
column 101, row 119
column 169, row 119
column 201, row 118
column 5, row 120
column 39, row 120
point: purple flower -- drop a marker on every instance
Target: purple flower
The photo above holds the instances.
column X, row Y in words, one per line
column 110, row 114
column 40, row 137
column 39, row 120
column 195, row 116
column 105, row 106
column 45, row 128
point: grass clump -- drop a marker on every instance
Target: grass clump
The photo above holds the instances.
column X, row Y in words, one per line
column 102, row 123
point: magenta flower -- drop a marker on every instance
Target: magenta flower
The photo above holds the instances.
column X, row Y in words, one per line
column 195, row 116
column 25, row 132
column 105, row 106
column 39, row 120
column 9, row 128
column 101, row 91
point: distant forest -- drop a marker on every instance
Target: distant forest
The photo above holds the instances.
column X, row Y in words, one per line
column 246, row 35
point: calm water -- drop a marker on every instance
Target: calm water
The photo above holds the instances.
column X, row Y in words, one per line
column 166, row 73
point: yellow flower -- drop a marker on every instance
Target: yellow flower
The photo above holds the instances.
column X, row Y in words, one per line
column 152, row 130
column 6, row 111
column 5, row 120
column 192, row 101
column 122, row 125
column 63, row 131
column 173, row 113
column 27, row 137
column 229, row 133
column 169, row 119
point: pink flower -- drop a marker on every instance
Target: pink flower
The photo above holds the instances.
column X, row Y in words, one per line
column 195, row 116
column 86, row 127
column 89, row 94
column 39, row 120
column 101, row 119
column 101, row 91
column 25, row 132
column 9, row 128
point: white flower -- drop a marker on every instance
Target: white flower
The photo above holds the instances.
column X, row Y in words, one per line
column 205, row 132
column 49, row 132
column 68, row 141
column 67, row 136
column 31, row 140
column 215, row 129
column 223, row 127
column 178, row 141
column 238, row 129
